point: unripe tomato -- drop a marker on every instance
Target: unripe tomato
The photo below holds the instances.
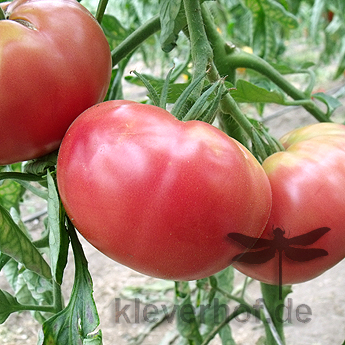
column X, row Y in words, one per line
column 157, row 194
column 55, row 62
column 308, row 193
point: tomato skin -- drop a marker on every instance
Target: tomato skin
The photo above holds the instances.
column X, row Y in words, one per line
column 308, row 192
column 159, row 195
column 52, row 69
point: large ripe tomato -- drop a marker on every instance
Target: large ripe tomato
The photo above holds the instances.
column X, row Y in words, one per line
column 157, row 194
column 308, row 193
column 55, row 63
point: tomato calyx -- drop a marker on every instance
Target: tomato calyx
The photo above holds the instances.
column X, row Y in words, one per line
column 5, row 15
column 2, row 14
column 26, row 24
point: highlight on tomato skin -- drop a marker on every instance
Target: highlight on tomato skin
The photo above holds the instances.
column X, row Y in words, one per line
column 157, row 194
column 308, row 199
column 50, row 73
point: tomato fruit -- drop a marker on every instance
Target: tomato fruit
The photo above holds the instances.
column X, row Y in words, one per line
column 157, row 194
column 55, row 62
column 308, row 193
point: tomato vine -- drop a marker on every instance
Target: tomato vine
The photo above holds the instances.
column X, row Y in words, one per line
column 205, row 85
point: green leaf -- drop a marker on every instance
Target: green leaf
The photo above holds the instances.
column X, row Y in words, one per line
column 341, row 66
column 79, row 320
column 8, row 305
column 113, row 30
column 152, row 91
column 195, row 112
column 225, row 335
column 172, row 20
column 16, row 244
column 274, row 10
column 40, row 165
column 186, row 320
column 32, row 289
column 178, row 109
column 175, row 90
column 331, row 102
column 58, row 237
column 11, row 192
column 4, row 259
column 316, row 15
column 216, row 312
column 250, row 93
column 268, row 17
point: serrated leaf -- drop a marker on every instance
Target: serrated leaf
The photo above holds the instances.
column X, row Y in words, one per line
column 32, row 289
column 250, row 93
column 79, row 320
column 58, row 237
column 279, row 14
column 172, row 21
column 274, row 10
column 267, row 15
column 8, row 305
column 16, row 244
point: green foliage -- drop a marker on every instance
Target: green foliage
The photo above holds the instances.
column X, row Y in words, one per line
column 78, row 321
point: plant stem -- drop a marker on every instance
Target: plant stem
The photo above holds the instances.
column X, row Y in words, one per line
column 102, row 4
column 135, row 39
column 275, row 309
column 40, row 193
column 58, row 299
column 12, row 175
column 201, row 50
column 230, row 107
column 227, row 58
column 244, row 307
column 41, row 308
column 246, row 60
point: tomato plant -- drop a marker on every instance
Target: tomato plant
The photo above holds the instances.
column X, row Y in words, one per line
column 140, row 185
column 308, row 181
column 55, row 63
column 167, row 192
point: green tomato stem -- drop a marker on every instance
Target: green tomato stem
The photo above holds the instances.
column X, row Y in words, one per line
column 275, row 308
column 58, row 299
column 20, row 176
column 246, row 60
column 102, row 4
column 230, row 107
column 244, row 307
column 201, row 50
column 41, row 308
column 135, row 39
column 228, row 58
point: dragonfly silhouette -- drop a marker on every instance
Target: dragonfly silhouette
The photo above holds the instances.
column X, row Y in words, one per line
column 281, row 244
